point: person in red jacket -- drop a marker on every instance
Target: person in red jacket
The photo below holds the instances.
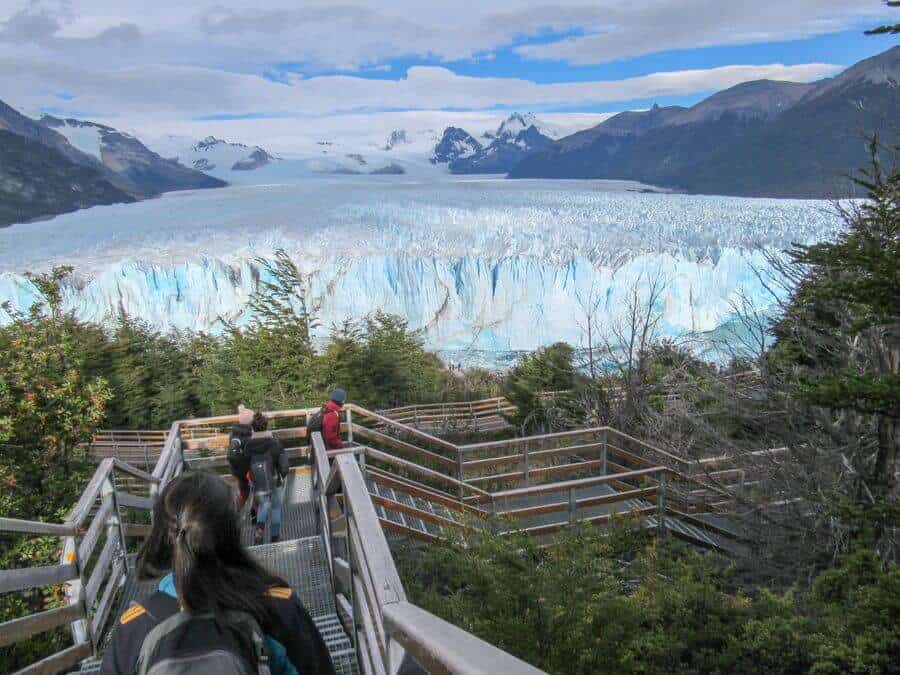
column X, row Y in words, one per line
column 331, row 421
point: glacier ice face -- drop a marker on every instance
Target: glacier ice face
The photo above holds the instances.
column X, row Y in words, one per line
column 478, row 264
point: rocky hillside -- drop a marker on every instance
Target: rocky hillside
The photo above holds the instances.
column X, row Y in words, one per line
column 515, row 138
column 57, row 165
column 146, row 173
column 38, row 181
column 762, row 138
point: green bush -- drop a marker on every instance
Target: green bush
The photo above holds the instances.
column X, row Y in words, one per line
column 616, row 602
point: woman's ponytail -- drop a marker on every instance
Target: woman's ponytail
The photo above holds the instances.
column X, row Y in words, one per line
column 196, row 536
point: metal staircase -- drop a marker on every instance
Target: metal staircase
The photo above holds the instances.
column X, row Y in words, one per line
column 391, row 479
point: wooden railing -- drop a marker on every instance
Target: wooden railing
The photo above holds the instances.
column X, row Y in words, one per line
column 473, row 481
column 457, row 416
column 94, row 561
column 387, row 629
column 140, row 448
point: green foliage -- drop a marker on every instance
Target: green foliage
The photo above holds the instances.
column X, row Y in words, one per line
column 839, row 340
column 617, row 603
column 48, row 408
column 550, row 369
column 151, row 376
column 382, row 363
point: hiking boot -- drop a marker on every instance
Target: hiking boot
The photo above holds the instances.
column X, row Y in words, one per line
column 259, row 534
column 275, row 539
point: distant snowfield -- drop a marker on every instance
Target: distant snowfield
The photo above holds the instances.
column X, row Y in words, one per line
column 484, row 266
column 363, row 132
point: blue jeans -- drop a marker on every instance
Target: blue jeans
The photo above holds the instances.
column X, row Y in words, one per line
column 270, row 503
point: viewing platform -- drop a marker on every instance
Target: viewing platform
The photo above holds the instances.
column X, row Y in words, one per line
column 395, row 478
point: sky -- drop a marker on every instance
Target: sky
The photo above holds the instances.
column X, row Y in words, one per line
column 250, row 67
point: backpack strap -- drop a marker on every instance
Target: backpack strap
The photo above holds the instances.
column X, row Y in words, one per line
column 159, row 631
column 231, row 617
column 256, row 634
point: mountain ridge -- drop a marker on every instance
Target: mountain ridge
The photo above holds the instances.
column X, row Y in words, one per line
column 760, row 138
column 41, row 159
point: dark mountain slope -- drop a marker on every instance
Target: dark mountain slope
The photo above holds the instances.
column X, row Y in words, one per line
column 146, row 173
column 756, row 139
column 809, row 151
column 38, row 181
column 503, row 153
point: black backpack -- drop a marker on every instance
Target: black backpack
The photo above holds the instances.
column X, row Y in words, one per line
column 229, row 643
column 237, row 455
column 262, row 472
column 316, row 420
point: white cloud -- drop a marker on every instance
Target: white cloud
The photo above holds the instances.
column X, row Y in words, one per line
column 652, row 26
column 183, row 92
column 155, row 98
column 248, row 36
column 185, row 60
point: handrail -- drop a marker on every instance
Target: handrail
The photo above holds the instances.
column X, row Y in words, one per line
column 522, row 440
column 447, row 445
column 675, row 458
column 442, row 648
column 233, row 418
column 448, row 404
column 421, row 470
column 578, row 483
column 91, row 579
column 384, row 624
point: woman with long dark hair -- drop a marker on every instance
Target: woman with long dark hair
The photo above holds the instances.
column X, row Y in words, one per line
column 195, row 552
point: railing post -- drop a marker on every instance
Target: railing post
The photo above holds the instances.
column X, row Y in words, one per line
column 110, row 488
column 459, row 472
column 661, row 504
column 179, row 448
column 525, row 462
column 74, row 589
column 604, row 436
column 573, row 505
column 351, row 560
column 349, row 425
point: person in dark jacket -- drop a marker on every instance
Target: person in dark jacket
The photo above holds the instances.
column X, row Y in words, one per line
column 331, row 421
column 268, row 470
column 194, row 550
column 239, row 459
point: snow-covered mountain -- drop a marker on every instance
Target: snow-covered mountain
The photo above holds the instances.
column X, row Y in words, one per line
column 146, row 173
column 455, row 144
column 397, row 137
column 212, row 154
column 515, row 124
column 517, row 136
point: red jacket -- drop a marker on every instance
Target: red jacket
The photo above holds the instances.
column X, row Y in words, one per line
column 331, row 426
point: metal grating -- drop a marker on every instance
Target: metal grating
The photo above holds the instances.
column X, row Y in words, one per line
column 343, row 655
column 299, row 507
column 302, row 564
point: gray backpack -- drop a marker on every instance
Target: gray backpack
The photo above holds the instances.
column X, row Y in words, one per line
column 229, row 643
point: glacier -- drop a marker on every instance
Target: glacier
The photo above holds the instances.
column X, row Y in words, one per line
column 484, row 267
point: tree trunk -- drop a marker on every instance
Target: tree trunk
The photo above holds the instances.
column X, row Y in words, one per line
column 886, row 461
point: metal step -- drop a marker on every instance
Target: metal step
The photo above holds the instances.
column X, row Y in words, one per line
column 404, row 519
column 301, row 563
